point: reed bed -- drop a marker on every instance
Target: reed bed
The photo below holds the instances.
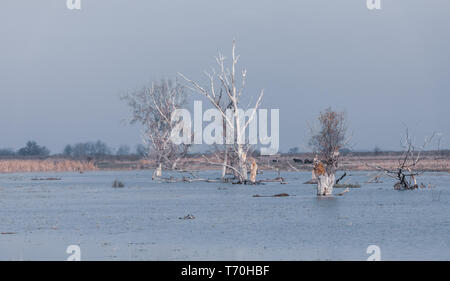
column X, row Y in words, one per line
column 46, row 165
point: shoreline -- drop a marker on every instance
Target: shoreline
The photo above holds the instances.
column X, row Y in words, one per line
column 282, row 163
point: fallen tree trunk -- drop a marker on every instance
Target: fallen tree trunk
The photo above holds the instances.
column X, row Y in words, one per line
column 339, row 179
column 276, row 195
column 187, row 180
column 237, row 181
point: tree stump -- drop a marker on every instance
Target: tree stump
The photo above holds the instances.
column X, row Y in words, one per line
column 253, row 171
column 157, row 173
column 325, row 184
column 325, row 181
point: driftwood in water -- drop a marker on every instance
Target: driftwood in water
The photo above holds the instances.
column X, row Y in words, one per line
column 187, row 217
column 236, row 180
column 276, row 195
column 277, row 179
column 292, row 166
column 311, row 181
column 187, row 180
column 339, row 179
column 190, row 180
column 375, row 179
column 281, row 180
column 343, row 192
column 46, row 179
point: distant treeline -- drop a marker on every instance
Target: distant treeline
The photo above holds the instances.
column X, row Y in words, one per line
column 30, row 149
column 78, row 150
column 100, row 149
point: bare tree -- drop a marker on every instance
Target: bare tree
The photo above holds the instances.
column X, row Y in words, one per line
column 224, row 92
column 153, row 107
column 123, row 150
column 407, row 168
column 326, row 140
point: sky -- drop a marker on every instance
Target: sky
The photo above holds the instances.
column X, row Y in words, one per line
column 62, row 71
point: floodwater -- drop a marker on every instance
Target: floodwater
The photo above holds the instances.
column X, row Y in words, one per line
column 40, row 219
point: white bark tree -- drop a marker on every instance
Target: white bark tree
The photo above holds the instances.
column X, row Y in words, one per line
column 153, row 107
column 326, row 140
column 224, row 92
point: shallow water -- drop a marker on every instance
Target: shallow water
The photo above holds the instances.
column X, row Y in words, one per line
column 40, row 219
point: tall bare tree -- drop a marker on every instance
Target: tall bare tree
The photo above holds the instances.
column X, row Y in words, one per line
column 152, row 107
column 326, row 140
column 225, row 90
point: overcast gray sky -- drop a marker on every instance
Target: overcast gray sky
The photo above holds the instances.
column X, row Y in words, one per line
column 62, row 71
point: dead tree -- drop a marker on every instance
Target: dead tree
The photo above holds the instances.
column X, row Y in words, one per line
column 224, row 92
column 326, row 141
column 153, row 107
column 407, row 169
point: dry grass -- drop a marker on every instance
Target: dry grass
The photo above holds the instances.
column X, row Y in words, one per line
column 286, row 163
column 47, row 165
column 391, row 162
column 360, row 163
column 196, row 163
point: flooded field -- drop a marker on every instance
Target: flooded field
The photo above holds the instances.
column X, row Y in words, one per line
column 42, row 214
